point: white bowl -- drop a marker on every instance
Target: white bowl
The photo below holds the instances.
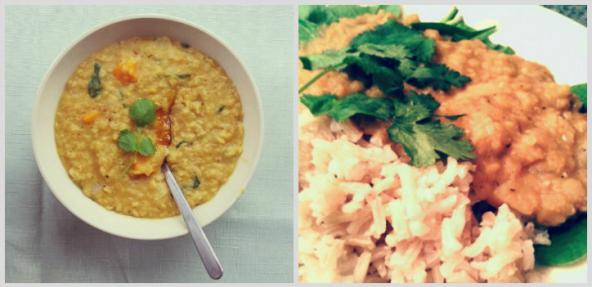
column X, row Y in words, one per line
column 51, row 90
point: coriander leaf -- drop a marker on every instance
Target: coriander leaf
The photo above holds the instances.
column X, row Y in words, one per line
column 416, row 143
column 386, row 57
column 392, row 32
column 421, row 141
column 325, row 59
column 306, row 31
column 94, row 84
column 424, row 137
column 370, row 69
column 143, row 112
column 127, row 141
column 568, row 243
column 348, row 106
column 319, row 105
column 437, row 76
column 581, row 91
column 146, row 147
column 406, row 67
column 415, row 107
column 448, row 138
column 392, row 51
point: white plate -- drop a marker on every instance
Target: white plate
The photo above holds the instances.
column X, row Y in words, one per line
column 539, row 35
column 51, row 89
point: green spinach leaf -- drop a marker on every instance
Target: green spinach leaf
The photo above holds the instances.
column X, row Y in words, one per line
column 568, row 243
column 581, row 92
column 454, row 27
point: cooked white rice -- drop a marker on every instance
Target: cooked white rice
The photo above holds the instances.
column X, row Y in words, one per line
column 368, row 216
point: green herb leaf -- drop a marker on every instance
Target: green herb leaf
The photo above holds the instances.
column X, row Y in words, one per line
column 451, row 15
column 581, row 91
column 454, row 27
column 415, row 127
column 348, row 106
column 415, row 107
column 94, row 84
column 196, row 182
column 325, row 59
column 146, row 147
column 372, row 70
column 390, row 51
column 306, row 31
column 127, row 141
column 437, row 76
column 143, row 112
column 386, row 57
column 568, row 243
column 393, row 32
column 424, row 137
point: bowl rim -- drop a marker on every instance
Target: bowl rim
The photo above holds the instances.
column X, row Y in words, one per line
column 60, row 57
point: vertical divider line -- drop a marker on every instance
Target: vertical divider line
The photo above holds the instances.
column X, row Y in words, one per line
column 3, row 136
column 295, row 139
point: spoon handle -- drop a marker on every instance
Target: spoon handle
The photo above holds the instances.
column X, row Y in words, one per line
column 204, row 248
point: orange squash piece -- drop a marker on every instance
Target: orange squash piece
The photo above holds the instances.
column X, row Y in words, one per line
column 90, row 117
column 126, row 72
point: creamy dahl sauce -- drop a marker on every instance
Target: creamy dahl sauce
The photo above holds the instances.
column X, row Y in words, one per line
column 529, row 140
column 198, row 126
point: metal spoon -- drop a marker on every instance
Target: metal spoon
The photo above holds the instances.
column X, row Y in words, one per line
column 204, row 248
